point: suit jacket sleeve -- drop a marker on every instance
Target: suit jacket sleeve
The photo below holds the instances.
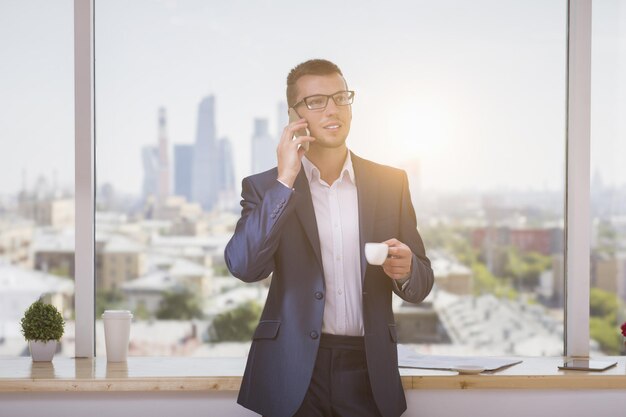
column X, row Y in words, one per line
column 249, row 253
column 421, row 279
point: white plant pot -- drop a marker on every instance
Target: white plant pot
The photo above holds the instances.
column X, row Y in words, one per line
column 42, row 351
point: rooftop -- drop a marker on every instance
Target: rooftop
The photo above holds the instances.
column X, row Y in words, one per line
column 15, row 279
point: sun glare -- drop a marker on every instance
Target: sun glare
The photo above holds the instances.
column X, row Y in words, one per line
column 422, row 129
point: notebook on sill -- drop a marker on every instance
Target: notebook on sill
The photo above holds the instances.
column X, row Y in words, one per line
column 408, row 358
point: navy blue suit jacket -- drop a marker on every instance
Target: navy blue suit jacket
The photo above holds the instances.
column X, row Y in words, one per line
column 277, row 233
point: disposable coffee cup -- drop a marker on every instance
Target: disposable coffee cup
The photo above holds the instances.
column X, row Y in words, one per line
column 117, row 334
column 376, row 253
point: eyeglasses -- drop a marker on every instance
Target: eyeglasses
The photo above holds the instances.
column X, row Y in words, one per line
column 320, row 101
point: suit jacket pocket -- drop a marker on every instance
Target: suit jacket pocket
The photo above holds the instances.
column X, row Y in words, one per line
column 392, row 333
column 267, row 329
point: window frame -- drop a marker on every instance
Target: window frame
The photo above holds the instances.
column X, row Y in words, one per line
column 84, row 121
column 577, row 178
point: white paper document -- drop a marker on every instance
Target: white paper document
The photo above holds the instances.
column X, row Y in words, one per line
column 408, row 358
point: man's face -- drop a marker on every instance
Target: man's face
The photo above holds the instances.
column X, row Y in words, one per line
column 329, row 126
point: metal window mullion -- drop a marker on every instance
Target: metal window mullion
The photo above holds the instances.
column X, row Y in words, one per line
column 84, row 178
column 577, row 212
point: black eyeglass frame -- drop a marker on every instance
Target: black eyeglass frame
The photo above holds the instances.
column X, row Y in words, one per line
column 327, row 96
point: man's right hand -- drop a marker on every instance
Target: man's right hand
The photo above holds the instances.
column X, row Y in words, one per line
column 289, row 155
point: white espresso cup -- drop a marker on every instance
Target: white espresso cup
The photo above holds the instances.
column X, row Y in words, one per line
column 376, row 253
column 117, row 334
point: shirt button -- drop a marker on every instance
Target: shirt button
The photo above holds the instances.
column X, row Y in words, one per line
column 340, row 292
column 314, row 335
column 319, row 295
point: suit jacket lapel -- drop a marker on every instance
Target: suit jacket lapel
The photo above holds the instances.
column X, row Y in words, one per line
column 367, row 191
column 306, row 214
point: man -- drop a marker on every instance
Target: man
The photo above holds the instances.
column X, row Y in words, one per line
column 326, row 341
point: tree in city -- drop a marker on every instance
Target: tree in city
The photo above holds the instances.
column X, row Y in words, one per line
column 238, row 324
column 180, row 305
column 109, row 300
column 61, row 271
column 484, row 281
column 606, row 334
column 604, row 307
column 453, row 240
column 525, row 268
column 221, row 271
column 141, row 312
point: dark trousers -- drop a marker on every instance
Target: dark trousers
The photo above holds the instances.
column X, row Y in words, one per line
column 340, row 386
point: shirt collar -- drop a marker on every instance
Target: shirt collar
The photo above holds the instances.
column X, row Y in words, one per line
column 313, row 173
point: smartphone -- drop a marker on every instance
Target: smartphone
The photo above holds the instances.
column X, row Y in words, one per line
column 587, row 365
column 293, row 116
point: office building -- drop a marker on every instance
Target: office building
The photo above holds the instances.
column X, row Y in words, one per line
column 150, row 159
column 183, row 170
column 164, row 165
column 263, row 147
column 226, row 176
column 204, row 183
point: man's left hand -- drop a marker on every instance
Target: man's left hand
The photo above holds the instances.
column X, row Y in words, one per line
column 398, row 263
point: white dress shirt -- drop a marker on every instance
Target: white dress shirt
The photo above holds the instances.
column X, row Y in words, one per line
column 337, row 216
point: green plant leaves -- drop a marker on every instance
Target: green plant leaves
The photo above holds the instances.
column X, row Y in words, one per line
column 42, row 322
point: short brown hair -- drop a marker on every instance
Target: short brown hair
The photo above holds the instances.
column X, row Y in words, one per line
column 310, row 67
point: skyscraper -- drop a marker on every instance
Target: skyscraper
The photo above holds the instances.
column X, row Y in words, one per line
column 150, row 159
column 204, row 184
column 164, row 165
column 226, row 176
column 183, row 170
column 263, row 147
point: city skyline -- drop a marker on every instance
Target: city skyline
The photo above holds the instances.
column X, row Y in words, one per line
column 468, row 97
column 203, row 171
column 435, row 92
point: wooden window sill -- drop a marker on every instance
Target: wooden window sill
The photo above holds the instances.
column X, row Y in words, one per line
column 224, row 374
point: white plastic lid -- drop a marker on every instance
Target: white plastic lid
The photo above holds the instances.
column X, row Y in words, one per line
column 117, row 314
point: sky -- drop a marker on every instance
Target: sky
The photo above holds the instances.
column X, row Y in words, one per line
column 474, row 91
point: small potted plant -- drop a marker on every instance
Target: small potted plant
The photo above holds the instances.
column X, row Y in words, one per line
column 42, row 327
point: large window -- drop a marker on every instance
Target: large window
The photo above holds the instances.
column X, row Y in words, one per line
column 36, row 156
column 608, row 177
column 468, row 98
